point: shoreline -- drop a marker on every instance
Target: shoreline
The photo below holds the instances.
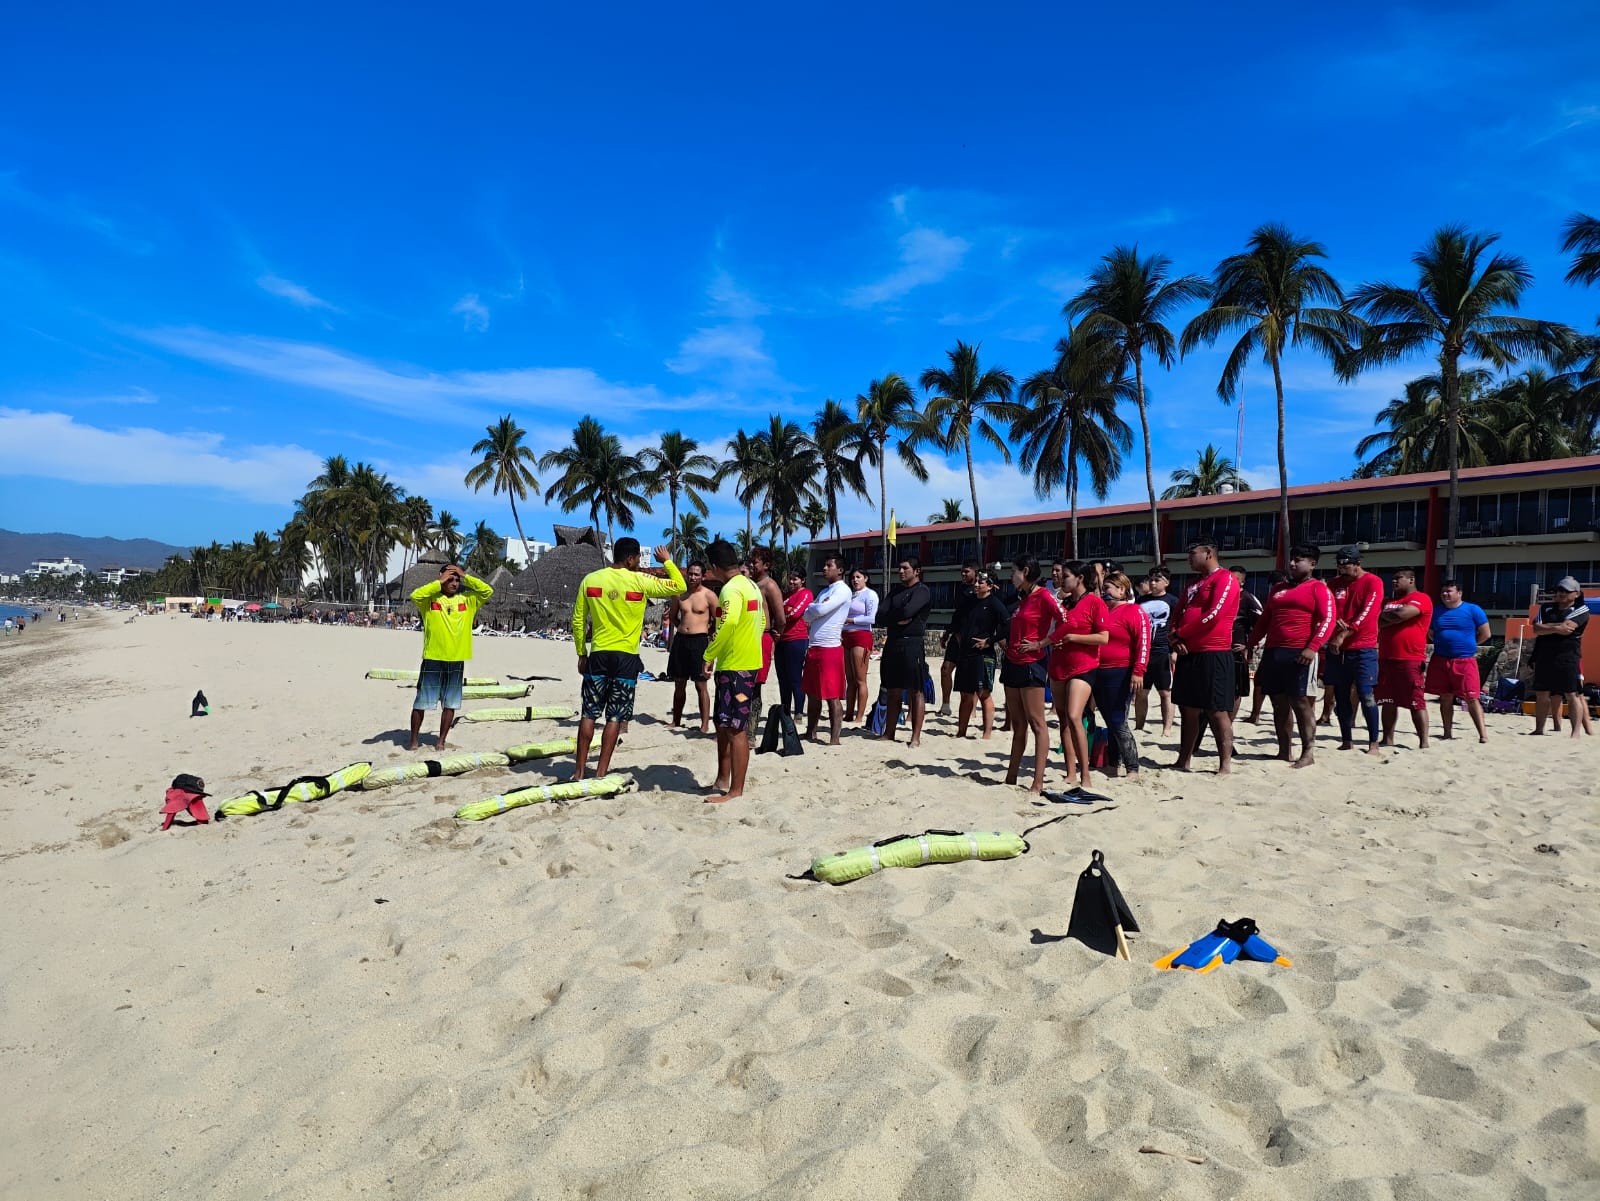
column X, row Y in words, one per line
column 625, row 997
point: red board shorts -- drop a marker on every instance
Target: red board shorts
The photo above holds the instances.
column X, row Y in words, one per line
column 858, row 638
column 823, row 673
column 766, row 659
column 1458, row 677
column 1400, row 684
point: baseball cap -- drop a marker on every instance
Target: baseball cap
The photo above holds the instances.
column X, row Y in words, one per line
column 188, row 783
column 1348, row 554
column 1568, row 583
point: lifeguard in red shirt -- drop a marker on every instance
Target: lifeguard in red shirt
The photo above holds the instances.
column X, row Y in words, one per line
column 1353, row 650
column 1074, row 658
column 1295, row 624
column 1023, row 671
column 1402, row 646
column 1202, row 634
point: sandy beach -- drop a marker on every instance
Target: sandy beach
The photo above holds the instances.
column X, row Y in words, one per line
column 627, row 998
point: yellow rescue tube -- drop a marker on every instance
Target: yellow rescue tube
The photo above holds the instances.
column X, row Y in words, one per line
column 297, row 791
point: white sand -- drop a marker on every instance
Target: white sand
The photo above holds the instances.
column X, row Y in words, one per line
column 625, row 998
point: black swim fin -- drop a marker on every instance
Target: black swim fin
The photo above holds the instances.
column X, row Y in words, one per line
column 1100, row 913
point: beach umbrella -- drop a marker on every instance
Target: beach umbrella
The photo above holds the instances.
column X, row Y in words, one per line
column 251, row 608
column 271, row 605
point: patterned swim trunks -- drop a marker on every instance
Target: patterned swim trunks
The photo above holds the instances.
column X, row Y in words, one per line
column 736, row 693
column 608, row 686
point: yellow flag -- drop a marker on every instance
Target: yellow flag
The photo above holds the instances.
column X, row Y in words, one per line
column 891, row 527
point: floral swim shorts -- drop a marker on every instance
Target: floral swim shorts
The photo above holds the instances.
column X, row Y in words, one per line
column 736, row 692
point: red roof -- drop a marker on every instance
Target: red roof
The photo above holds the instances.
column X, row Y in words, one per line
column 1384, row 483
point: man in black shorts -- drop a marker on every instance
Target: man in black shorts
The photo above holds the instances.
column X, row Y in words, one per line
column 903, row 667
column 1558, row 658
column 1157, row 606
column 689, row 619
column 954, row 651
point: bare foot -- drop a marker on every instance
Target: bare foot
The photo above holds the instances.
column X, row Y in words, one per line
column 884, row 737
column 1181, row 765
column 1387, row 742
column 412, row 745
column 1482, row 738
column 705, row 727
column 1373, row 748
column 1225, row 769
column 916, row 742
column 1347, row 746
column 726, row 796
column 1133, row 776
column 1038, row 787
column 445, row 746
column 1305, row 760
column 1286, row 757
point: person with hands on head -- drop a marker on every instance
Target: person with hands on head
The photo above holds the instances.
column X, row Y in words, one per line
column 1296, row 622
column 607, row 625
column 448, row 606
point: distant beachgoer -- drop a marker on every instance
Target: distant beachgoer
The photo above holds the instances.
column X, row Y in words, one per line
column 1075, row 658
column 607, row 625
column 734, row 659
column 1558, row 658
column 858, row 623
column 1459, row 628
column 982, row 631
column 1157, row 606
column 1123, row 661
column 1202, row 634
column 688, row 624
column 1295, row 623
column 1023, row 672
column 823, row 676
column 759, row 569
column 1353, row 650
column 1402, row 646
column 448, row 606
column 791, row 648
column 903, row 665
column 966, row 597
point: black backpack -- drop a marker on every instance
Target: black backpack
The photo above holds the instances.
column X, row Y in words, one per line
column 780, row 734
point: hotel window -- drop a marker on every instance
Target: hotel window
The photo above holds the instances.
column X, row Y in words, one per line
column 1570, row 510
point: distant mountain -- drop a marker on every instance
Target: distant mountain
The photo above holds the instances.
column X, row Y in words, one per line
column 18, row 551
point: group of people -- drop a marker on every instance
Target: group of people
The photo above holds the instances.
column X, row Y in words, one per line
column 1092, row 640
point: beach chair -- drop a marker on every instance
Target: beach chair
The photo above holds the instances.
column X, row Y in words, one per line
column 1508, row 696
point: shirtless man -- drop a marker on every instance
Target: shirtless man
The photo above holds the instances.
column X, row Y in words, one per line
column 761, row 576
column 689, row 620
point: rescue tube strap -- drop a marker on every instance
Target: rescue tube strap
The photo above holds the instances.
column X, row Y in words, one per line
column 283, row 793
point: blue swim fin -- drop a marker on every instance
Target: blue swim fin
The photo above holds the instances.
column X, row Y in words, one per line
column 1204, row 954
column 1259, row 950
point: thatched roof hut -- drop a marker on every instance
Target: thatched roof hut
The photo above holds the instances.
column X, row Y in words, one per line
column 424, row 571
column 543, row 593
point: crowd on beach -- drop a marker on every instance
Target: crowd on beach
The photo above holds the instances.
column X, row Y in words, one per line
column 1081, row 640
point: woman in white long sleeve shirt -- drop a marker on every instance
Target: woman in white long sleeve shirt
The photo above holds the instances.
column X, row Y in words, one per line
column 858, row 646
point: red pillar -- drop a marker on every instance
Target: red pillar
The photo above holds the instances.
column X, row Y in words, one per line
column 991, row 546
column 1430, row 546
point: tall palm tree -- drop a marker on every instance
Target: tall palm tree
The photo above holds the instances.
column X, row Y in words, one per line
column 677, row 466
column 1460, row 305
column 596, row 469
column 1272, row 296
column 485, row 550
column 1212, row 473
column 964, row 400
column 786, row 473
column 834, row 431
column 814, row 517
column 1534, row 417
column 1128, row 300
column 261, row 563
column 949, row 514
column 888, row 411
column 743, row 466
column 1411, row 429
column 418, row 522
column 1581, row 239
column 446, row 535
column 689, row 535
column 1069, row 425
column 294, row 554
column 506, row 467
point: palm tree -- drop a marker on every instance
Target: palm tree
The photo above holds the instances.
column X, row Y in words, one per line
column 834, row 432
column 506, row 468
column 596, row 469
column 446, row 535
column 1411, row 427
column 676, row 466
column 1269, row 296
column 1581, row 239
column 1212, row 473
column 689, row 535
column 950, row 514
column 1069, row 423
column 1534, row 417
column 1459, row 306
column 418, row 521
column 786, row 472
column 294, row 554
column 1128, row 300
column 964, row 400
column 814, row 517
column 743, row 466
column 485, row 550
column 888, row 410
column 261, row 563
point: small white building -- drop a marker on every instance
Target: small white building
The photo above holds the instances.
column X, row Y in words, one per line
column 116, row 575
column 537, row 550
column 63, row 566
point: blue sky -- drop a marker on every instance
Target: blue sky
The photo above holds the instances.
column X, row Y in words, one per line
column 231, row 246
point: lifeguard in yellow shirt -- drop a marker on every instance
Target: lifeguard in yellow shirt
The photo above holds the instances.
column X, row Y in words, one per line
column 448, row 606
column 736, row 655
column 607, row 623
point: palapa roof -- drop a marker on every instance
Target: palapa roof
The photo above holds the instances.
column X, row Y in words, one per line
column 424, row 571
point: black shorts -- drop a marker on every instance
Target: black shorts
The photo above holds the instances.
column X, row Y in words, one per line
column 1562, row 676
column 1241, row 674
column 1159, row 674
column 1204, row 680
column 1024, row 675
column 902, row 665
column 1282, row 674
column 686, row 660
column 954, row 650
column 975, row 673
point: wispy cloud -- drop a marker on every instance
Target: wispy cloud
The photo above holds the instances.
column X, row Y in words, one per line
column 927, row 255
column 69, row 211
column 473, row 312
column 732, row 352
column 57, row 446
column 295, row 294
column 455, row 395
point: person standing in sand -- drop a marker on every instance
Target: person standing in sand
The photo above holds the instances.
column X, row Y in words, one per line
column 1075, row 658
column 966, row 597
column 1295, row 623
column 689, row 622
column 792, row 643
column 1353, row 649
column 822, row 677
column 1202, row 634
column 448, row 606
column 1157, row 606
column 734, row 661
column 982, row 631
column 858, row 623
column 1459, row 628
column 607, row 624
column 1123, row 661
column 1023, row 672
column 1402, row 646
column 759, row 570
column 904, row 665
column 1558, row 658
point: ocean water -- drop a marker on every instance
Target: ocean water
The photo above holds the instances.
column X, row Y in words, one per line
column 17, row 611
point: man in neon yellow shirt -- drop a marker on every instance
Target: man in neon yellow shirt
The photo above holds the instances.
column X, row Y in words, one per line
column 609, row 613
column 736, row 654
column 448, row 606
